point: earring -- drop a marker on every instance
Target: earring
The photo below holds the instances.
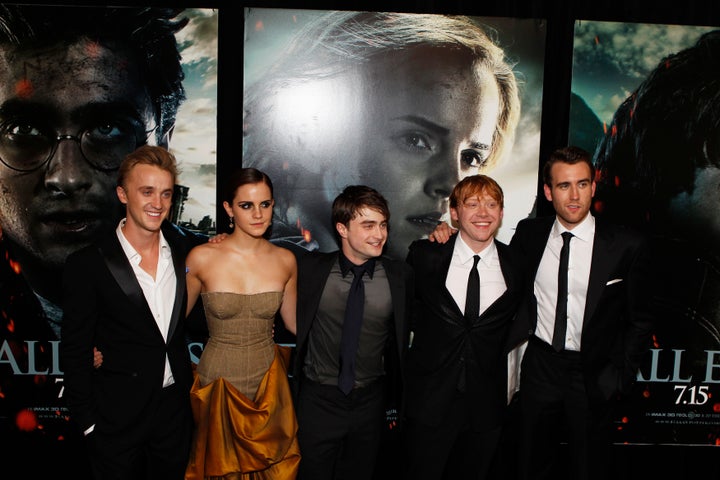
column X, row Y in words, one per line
column 232, row 225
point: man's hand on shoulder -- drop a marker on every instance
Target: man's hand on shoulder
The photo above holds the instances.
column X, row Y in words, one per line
column 217, row 238
column 442, row 233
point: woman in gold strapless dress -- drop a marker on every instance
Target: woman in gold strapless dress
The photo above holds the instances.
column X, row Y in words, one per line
column 245, row 426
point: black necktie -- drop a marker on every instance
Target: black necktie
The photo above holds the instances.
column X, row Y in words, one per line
column 351, row 330
column 558, row 342
column 472, row 299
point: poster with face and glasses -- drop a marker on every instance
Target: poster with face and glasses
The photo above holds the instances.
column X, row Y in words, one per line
column 645, row 100
column 80, row 88
column 408, row 104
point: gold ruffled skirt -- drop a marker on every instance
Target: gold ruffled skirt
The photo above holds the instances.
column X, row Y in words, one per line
column 238, row 438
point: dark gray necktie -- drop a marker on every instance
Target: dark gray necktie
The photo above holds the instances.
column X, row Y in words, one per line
column 351, row 330
column 558, row 341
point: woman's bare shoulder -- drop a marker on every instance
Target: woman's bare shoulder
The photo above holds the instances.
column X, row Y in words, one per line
column 285, row 255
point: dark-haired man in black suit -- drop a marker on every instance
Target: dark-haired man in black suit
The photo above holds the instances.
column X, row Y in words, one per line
column 339, row 428
column 571, row 375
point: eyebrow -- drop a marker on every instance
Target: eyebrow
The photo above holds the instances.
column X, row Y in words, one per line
column 17, row 107
column 424, row 122
column 430, row 125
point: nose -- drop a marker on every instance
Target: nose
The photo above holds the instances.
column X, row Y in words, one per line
column 256, row 211
column 481, row 210
column 574, row 192
column 442, row 177
column 67, row 172
column 380, row 231
column 157, row 201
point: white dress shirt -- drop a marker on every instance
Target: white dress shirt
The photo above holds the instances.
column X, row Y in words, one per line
column 546, row 281
column 492, row 281
column 159, row 291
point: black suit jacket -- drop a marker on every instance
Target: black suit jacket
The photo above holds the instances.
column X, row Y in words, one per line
column 105, row 307
column 617, row 321
column 313, row 272
column 444, row 348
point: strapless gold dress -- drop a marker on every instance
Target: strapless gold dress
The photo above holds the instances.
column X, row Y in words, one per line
column 245, row 425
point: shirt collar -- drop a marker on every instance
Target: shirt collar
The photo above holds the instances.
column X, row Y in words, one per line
column 130, row 251
column 465, row 253
column 346, row 265
column 584, row 230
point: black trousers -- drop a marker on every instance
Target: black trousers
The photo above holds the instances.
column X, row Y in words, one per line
column 452, row 449
column 339, row 435
column 158, row 447
column 555, row 408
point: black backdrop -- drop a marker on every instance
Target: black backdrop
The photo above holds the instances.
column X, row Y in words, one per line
column 636, row 461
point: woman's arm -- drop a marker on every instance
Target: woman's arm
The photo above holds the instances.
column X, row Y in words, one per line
column 192, row 278
column 288, row 308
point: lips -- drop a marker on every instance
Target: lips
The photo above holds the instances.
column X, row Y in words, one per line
column 427, row 221
column 72, row 222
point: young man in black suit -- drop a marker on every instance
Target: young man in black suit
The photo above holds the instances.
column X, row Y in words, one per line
column 457, row 386
column 126, row 295
column 585, row 351
column 340, row 425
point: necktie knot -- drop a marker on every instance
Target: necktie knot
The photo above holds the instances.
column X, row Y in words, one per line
column 358, row 270
column 476, row 259
column 566, row 237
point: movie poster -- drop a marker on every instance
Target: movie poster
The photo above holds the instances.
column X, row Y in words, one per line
column 646, row 101
column 57, row 104
column 405, row 103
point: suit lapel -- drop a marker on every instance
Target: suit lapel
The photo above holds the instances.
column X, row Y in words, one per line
column 600, row 268
column 444, row 260
column 316, row 273
column 178, row 259
column 122, row 271
column 396, row 280
column 120, row 268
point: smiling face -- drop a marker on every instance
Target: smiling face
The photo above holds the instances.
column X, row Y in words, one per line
column 251, row 209
column 364, row 236
column 49, row 212
column 571, row 192
column 478, row 218
column 147, row 195
column 430, row 120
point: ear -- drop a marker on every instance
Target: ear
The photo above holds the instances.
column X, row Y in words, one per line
column 593, row 188
column 121, row 194
column 453, row 214
column 341, row 229
column 227, row 208
column 548, row 192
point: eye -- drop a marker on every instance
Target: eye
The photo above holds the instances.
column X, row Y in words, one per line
column 245, row 205
column 473, row 158
column 415, row 141
column 23, row 135
column 267, row 204
column 113, row 131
